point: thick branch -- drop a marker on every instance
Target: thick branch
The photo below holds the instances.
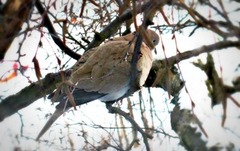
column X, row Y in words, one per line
column 203, row 49
column 28, row 95
column 232, row 89
column 190, row 138
column 13, row 14
column 115, row 25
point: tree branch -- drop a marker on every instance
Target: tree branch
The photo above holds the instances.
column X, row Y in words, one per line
column 190, row 138
column 203, row 49
column 132, row 121
column 28, row 95
column 98, row 37
column 47, row 23
column 115, row 25
column 13, row 15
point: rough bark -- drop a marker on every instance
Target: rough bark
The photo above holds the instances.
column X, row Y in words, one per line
column 13, row 14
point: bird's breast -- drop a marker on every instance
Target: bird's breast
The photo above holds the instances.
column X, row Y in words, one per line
column 144, row 65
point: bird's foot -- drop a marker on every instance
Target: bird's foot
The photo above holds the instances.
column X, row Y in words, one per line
column 109, row 107
column 65, row 86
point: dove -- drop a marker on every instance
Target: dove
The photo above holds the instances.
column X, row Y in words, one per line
column 103, row 73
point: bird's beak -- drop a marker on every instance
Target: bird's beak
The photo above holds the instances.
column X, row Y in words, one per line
column 155, row 51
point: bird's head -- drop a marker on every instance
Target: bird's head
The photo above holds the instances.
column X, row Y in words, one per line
column 151, row 39
column 153, row 36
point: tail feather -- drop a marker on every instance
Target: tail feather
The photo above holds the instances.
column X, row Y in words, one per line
column 53, row 118
column 80, row 97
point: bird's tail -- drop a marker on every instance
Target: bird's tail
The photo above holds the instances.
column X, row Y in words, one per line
column 54, row 117
column 80, row 97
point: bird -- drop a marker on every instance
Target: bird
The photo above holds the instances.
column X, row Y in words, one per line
column 103, row 73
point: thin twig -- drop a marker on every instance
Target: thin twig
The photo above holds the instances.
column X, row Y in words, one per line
column 47, row 23
column 132, row 121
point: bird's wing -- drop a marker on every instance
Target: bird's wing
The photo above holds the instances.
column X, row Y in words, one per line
column 107, row 70
column 83, row 59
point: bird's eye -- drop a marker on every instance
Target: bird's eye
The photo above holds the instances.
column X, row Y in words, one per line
column 154, row 41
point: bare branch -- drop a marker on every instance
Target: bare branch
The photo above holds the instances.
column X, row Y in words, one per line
column 28, row 95
column 115, row 25
column 132, row 121
column 204, row 22
column 47, row 23
column 203, row 49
